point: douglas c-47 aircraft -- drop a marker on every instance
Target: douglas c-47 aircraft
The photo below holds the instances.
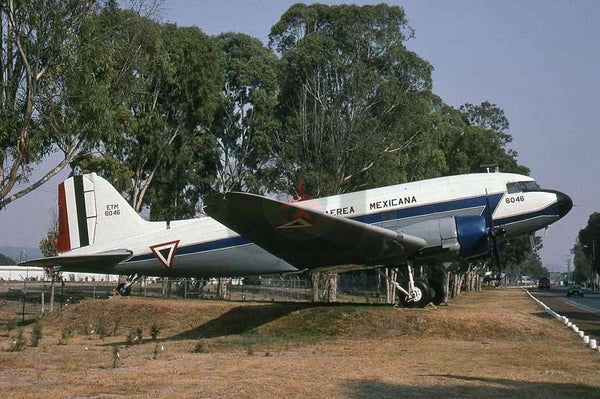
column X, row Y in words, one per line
column 438, row 220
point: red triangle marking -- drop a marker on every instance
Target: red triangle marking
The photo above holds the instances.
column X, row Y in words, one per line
column 168, row 249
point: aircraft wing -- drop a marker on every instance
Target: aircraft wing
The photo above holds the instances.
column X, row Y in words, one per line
column 102, row 262
column 308, row 238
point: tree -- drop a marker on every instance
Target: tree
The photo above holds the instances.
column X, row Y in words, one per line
column 583, row 271
column 589, row 247
column 518, row 258
column 39, row 41
column 168, row 96
column 245, row 123
column 349, row 94
column 49, row 247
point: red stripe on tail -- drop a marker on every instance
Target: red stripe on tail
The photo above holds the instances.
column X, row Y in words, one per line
column 63, row 241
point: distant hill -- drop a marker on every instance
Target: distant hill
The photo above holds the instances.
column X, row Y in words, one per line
column 5, row 260
column 20, row 253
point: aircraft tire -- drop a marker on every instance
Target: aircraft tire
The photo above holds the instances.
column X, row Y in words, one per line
column 424, row 299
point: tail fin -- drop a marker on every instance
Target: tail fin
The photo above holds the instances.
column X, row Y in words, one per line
column 91, row 211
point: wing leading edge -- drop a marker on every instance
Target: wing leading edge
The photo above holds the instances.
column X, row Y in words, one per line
column 307, row 238
column 103, row 262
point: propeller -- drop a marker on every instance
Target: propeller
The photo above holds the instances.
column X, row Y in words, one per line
column 493, row 232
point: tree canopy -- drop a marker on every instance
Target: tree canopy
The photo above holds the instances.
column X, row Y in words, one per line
column 587, row 249
column 39, row 42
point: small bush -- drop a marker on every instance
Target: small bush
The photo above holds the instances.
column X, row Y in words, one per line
column 100, row 329
column 36, row 334
column 135, row 337
column 155, row 352
column 10, row 326
column 65, row 334
column 116, row 356
column 18, row 343
column 249, row 350
column 154, row 330
column 116, row 327
column 200, row 348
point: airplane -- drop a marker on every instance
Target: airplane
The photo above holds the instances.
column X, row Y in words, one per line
column 430, row 221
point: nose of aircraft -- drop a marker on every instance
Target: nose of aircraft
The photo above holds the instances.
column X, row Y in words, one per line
column 565, row 203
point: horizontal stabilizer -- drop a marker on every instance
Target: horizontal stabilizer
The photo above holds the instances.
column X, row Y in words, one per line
column 102, row 262
column 307, row 238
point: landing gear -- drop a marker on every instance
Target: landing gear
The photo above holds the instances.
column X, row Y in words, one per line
column 419, row 293
column 124, row 289
column 420, row 296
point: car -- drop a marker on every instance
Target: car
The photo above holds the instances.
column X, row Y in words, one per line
column 544, row 283
column 575, row 289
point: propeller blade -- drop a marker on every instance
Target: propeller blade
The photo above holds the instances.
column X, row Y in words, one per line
column 492, row 231
column 532, row 242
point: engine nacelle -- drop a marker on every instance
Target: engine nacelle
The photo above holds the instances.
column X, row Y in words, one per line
column 459, row 236
column 473, row 236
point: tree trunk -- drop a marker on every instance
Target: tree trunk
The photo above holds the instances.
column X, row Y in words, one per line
column 390, row 288
column 52, row 294
column 468, row 277
column 314, row 279
column 446, row 286
column 222, row 288
column 332, row 287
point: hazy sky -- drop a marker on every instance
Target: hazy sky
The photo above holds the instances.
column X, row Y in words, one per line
column 537, row 60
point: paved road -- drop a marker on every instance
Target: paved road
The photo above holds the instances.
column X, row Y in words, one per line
column 585, row 312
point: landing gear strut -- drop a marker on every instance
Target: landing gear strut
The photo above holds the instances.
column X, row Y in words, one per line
column 124, row 289
column 419, row 293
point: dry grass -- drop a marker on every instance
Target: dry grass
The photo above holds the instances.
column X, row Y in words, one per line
column 495, row 344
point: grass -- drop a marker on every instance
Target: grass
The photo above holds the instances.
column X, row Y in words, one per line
column 484, row 345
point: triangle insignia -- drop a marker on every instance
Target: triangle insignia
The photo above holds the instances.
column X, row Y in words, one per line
column 165, row 252
column 298, row 223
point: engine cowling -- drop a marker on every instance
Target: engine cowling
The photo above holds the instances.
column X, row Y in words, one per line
column 454, row 237
column 473, row 237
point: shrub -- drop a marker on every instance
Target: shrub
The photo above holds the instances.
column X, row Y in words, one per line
column 100, row 329
column 116, row 356
column 135, row 337
column 19, row 343
column 154, row 330
column 36, row 333
column 155, row 352
column 200, row 347
column 65, row 334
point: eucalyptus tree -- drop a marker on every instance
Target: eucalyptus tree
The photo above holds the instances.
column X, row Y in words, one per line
column 350, row 96
column 589, row 240
column 245, row 123
column 39, row 43
column 169, row 94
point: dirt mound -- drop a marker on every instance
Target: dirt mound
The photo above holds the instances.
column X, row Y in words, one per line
column 181, row 320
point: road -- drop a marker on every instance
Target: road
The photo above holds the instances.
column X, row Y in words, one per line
column 585, row 312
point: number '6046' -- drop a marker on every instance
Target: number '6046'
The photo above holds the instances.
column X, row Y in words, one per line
column 512, row 200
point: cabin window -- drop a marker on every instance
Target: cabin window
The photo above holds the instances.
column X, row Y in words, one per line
column 518, row 187
column 512, row 188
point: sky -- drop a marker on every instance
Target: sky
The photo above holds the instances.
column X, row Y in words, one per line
column 537, row 60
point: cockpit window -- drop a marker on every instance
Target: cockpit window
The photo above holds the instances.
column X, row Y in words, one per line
column 518, row 187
